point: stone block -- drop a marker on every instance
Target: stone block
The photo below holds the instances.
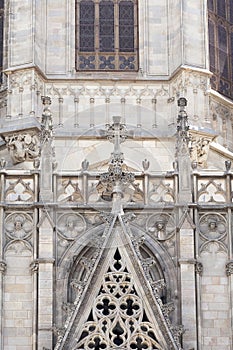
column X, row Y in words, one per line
column 210, row 315
column 12, row 306
column 210, row 341
column 219, row 306
column 20, row 314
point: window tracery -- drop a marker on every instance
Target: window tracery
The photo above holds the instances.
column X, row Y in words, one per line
column 118, row 318
column 106, row 35
column 1, row 35
column 220, row 13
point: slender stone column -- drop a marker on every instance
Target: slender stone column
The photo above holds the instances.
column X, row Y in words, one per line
column 186, row 232
column 46, row 234
column 2, row 271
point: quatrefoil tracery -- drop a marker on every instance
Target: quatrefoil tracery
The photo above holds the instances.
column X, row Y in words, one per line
column 118, row 318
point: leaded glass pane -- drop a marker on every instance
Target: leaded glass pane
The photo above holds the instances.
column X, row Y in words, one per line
column 221, row 8
column 212, row 58
column 211, row 5
column 211, row 32
column 212, row 46
column 106, row 33
column 223, row 64
column 232, row 59
column 231, row 12
column 126, row 26
column 222, row 38
column 86, row 27
column 223, row 56
column 106, row 26
column 1, row 35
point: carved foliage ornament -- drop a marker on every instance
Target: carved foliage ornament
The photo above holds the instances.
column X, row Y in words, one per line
column 118, row 319
column 199, row 149
column 23, row 147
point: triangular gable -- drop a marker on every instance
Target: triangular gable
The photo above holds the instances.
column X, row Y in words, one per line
column 186, row 222
column 120, row 311
column 118, row 317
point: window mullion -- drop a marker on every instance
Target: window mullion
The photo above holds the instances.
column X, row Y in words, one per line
column 135, row 33
column 97, row 43
column 116, row 32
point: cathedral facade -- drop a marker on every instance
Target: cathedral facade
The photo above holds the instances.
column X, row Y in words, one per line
column 116, row 180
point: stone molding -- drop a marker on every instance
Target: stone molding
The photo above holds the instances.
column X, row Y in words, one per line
column 45, row 260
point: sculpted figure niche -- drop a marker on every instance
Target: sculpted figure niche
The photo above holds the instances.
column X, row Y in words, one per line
column 199, row 150
column 23, row 147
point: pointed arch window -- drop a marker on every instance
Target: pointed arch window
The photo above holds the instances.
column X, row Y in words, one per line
column 106, row 35
column 220, row 13
column 1, row 35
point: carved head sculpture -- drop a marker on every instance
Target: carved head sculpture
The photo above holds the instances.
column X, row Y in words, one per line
column 212, row 223
column 18, row 223
column 70, row 223
column 160, row 225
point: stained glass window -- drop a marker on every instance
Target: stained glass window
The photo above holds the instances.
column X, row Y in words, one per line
column 106, row 26
column 106, row 35
column 1, row 35
column 211, row 5
column 126, row 26
column 86, row 28
column 221, row 8
column 220, row 14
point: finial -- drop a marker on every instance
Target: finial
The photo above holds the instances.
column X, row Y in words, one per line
column 46, row 100
column 117, row 177
column 228, row 165
column 2, row 163
column 46, row 121
column 85, row 165
column 182, row 102
column 116, row 133
column 145, row 164
column 182, row 121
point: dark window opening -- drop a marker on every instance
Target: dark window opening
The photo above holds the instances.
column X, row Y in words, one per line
column 220, row 14
column 106, row 35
